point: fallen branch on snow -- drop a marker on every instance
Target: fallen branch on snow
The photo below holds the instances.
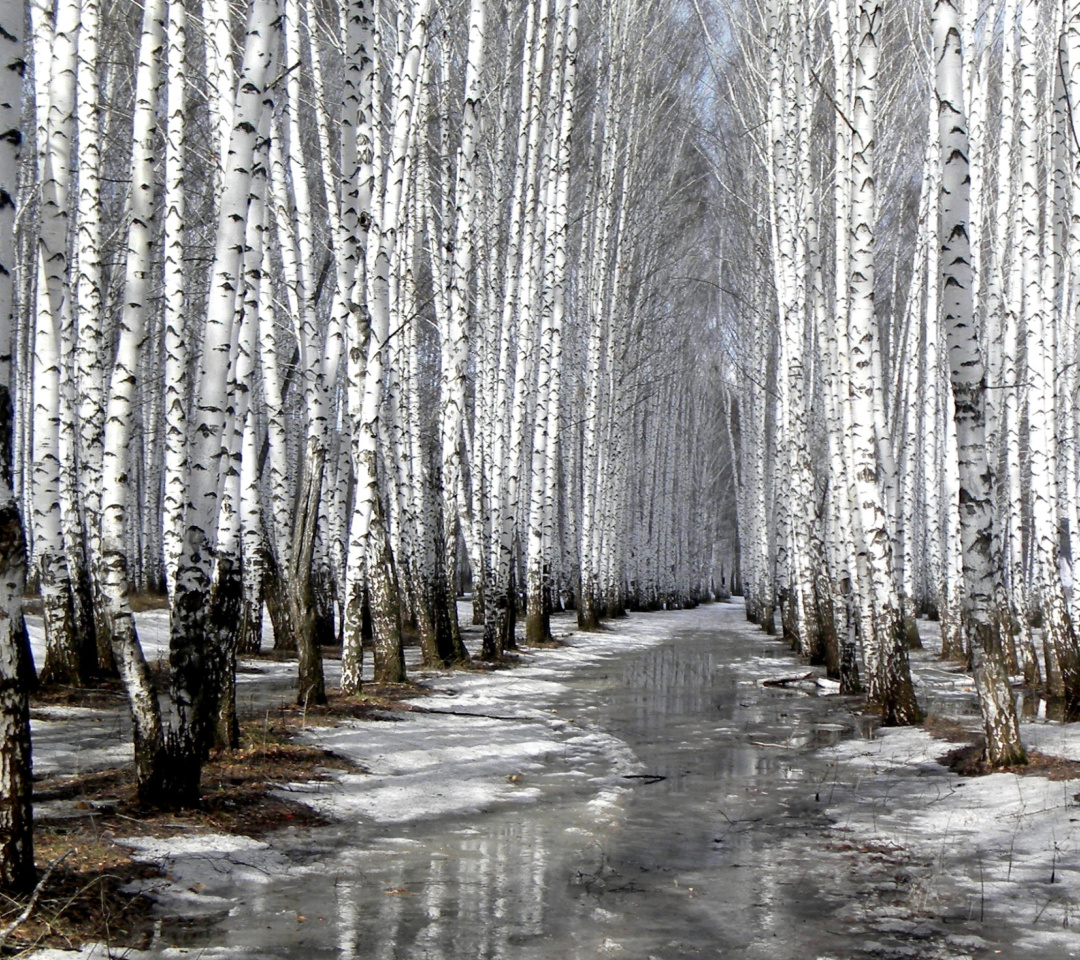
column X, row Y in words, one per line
column 787, row 681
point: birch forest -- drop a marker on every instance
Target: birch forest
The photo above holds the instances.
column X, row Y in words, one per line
column 318, row 316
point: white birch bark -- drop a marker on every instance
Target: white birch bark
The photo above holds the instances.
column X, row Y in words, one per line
column 221, row 79
column 456, row 500
column 506, row 424
column 299, row 245
column 968, row 386
column 359, row 87
column 119, row 507
column 604, row 250
column 195, row 655
column 532, row 353
column 996, row 279
column 381, row 259
column 1071, row 41
column 175, row 323
column 17, row 870
column 888, row 682
column 55, row 66
column 549, row 363
column 90, row 346
column 1035, row 222
column 226, row 605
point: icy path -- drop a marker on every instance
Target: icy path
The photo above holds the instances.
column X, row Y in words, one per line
column 639, row 794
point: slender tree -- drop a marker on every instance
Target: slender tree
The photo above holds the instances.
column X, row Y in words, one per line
column 16, row 668
column 969, row 392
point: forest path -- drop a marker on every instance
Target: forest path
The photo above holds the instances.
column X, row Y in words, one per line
column 638, row 793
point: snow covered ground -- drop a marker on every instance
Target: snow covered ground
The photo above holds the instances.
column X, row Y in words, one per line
column 469, row 747
column 1002, row 849
column 459, row 753
column 101, row 737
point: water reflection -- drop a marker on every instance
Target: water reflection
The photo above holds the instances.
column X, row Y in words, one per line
column 1033, row 706
column 719, row 853
column 665, row 682
column 472, row 894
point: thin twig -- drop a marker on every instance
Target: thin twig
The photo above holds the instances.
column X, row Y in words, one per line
column 22, row 917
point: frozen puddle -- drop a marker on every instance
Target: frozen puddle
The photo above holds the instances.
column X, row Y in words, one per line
column 635, row 794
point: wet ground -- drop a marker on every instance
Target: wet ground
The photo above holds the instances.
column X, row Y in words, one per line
column 679, row 809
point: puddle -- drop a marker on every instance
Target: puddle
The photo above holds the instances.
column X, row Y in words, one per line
column 1035, row 707
column 681, row 813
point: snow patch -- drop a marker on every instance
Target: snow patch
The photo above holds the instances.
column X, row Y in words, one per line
column 1053, row 739
column 1003, row 838
column 196, row 868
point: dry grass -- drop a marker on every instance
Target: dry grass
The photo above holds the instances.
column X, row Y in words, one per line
column 874, row 850
column 82, row 900
column 970, row 761
column 373, row 703
column 105, row 695
column 950, row 728
column 139, row 602
column 553, row 644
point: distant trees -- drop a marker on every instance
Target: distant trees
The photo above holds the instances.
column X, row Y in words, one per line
column 924, row 347
column 827, row 541
column 350, row 314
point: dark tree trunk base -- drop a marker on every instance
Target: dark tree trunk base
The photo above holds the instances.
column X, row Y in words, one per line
column 174, row 783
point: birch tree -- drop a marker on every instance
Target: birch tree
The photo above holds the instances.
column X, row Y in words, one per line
column 55, row 68
column 456, row 499
column 117, row 466
column 881, row 618
column 369, row 533
column 968, row 384
column 16, row 668
column 547, row 438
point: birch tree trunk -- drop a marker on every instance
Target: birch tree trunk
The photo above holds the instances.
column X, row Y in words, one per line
column 968, row 380
column 456, row 499
column 546, row 416
column 1036, row 222
column 118, row 505
column 357, row 144
column 299, row 589
column 369, row 514
column 197, row 644
column 17, row 871
column 55, row 66
column 888, row 681
column 515, row 360
column 176, row 329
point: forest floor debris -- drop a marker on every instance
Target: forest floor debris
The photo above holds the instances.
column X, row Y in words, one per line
column 90, row 819
column 970, row 761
